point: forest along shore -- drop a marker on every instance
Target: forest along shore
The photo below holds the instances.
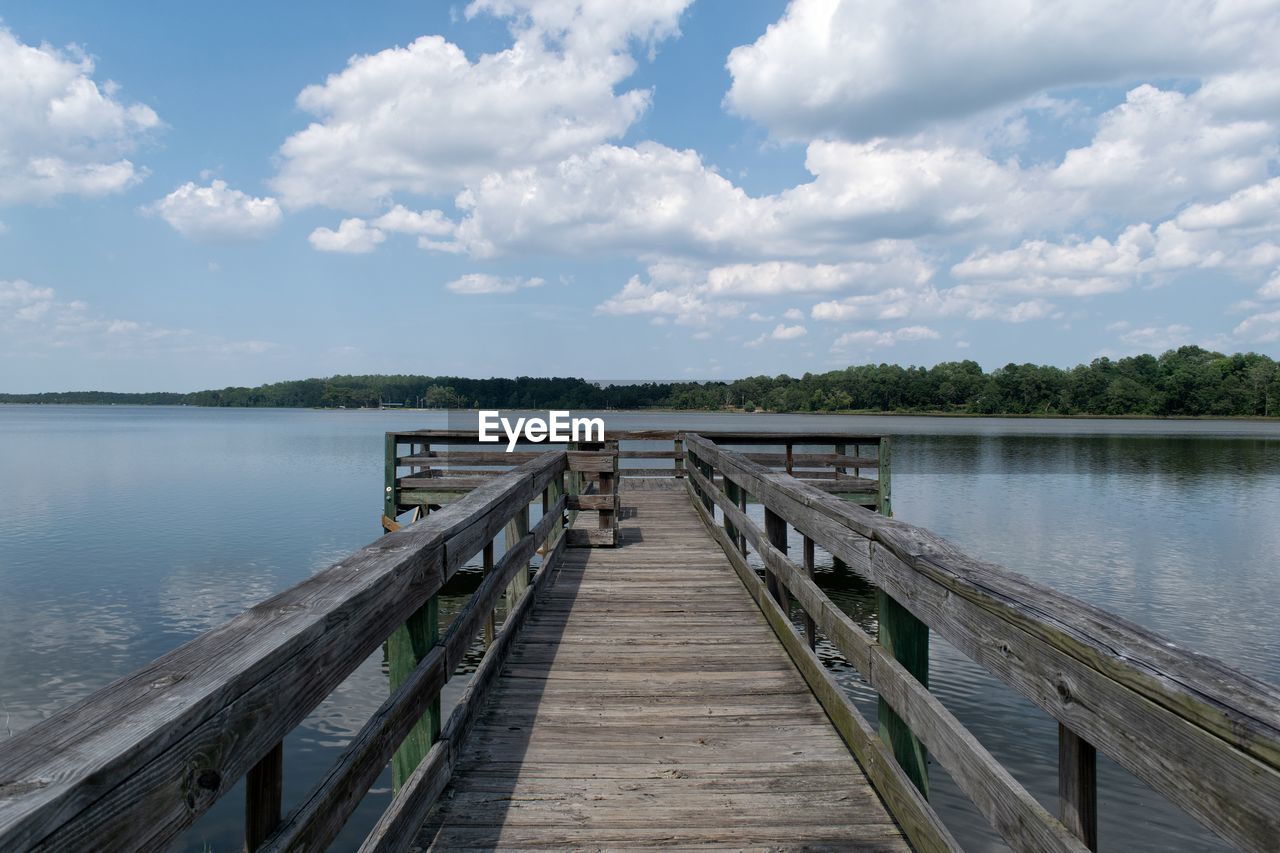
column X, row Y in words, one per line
column 1187, row 382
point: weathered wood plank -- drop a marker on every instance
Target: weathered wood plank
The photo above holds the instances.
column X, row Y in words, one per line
column 593, row 461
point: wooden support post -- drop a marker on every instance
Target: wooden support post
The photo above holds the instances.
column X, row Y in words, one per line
column 733, row 492
column 409, row 644
column 490, row 622
column 263, row 790
column 790, row 458
column 517, row 528
column 885, row 500
column 1078, row 786
column 742, row 505
column 609, row 481
column 573, row 484
column 406, row 646
column 840, row 451
column 907, row 639
column 389, row 498
column 775, row 527
column 707, row 500
column 555, row 489
column 810, row 627
column 679, row 446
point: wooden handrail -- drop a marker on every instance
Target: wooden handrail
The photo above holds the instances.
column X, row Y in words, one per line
column 468, row 436
column 135, row 763
column 1205, row 735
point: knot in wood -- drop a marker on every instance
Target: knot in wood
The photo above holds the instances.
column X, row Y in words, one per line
column 209, row 779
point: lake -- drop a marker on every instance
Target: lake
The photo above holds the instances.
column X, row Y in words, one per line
column 125, row 531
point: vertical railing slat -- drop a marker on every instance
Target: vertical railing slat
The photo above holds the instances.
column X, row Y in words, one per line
column 810, row 627
column 1078, row 786
column 263, row 793
column 406, row 647
column 775, row 527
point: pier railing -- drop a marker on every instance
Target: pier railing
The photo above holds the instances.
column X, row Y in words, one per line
column 1203, row 735
column 133, row 765
column 431, row 466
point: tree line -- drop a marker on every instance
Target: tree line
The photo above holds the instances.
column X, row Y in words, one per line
column 1181, row 382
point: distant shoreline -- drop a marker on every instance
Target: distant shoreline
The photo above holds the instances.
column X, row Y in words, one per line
column 902, row 413
column 1189, row 382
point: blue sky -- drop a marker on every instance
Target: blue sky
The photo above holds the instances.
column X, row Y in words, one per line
column 197, row 196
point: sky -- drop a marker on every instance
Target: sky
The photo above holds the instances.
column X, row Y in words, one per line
column 202, row 195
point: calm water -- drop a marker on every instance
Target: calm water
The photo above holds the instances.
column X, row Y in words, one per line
column 126, row 531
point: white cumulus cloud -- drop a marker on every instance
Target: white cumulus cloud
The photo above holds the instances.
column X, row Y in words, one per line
column 217, row 212
column 866, row 338
column 62, row 132
column 867, row 68
column 424, row 118
column 354, row 236
column 478, row 283
column 781, row 332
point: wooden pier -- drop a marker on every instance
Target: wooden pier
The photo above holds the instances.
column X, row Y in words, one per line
column 648, row 676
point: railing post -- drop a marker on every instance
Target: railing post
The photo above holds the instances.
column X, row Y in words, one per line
column 609, row 482
column 708, row 503
column 406, row 647
column 517, row 528
column 1078, row 786
column 263, row 792
column 409, row 644
column 907, row 639
column 732, row 491
column 555, row 490
column 884, row 502
column 790, row 458
column 679, row 446
column 490, row 622
column 810, row 627
column 775, row 527
column 389, row 497
column 742, row 505
column 573, row 484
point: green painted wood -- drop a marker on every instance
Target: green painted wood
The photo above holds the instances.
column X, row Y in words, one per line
column 389, row 492
column 406, row 646
column 885, row 506
column 906, row 638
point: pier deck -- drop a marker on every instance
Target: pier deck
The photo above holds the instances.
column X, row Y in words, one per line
column 647, row 702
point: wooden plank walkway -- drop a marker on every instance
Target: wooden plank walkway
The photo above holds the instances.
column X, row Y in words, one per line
column 648, row 703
